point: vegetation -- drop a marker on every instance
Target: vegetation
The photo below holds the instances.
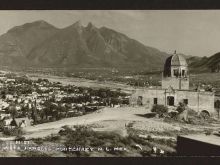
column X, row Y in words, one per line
column 13, row 131
column 181, row 107
column 161, row 110
column 82, row 136
column 20, row 138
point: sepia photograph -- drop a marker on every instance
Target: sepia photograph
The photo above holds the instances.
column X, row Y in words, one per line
column 109, row 83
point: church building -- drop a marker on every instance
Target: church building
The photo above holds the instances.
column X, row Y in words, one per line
column 175, row 89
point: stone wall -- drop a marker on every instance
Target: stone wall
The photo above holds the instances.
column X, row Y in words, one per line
column 175, row 83
column 197, row 101
column 148, row 96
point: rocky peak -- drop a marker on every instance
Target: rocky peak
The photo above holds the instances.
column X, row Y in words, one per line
column 77, row 24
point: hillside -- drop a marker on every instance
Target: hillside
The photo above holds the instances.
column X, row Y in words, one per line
column 206, row 64
column 19, row 41
column 40, row 44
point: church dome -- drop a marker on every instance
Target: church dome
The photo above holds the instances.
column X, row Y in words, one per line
column 176, row 60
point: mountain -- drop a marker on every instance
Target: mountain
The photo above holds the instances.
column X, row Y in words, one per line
column 206, row 64
column 40, row 44
column 19, row 41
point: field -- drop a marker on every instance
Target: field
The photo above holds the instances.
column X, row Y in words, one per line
column 206, row 78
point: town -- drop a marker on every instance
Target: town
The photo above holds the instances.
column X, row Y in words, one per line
column 26, row 102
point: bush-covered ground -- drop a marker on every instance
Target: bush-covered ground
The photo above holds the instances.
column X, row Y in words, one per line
column 192, row 117
column 109, row 144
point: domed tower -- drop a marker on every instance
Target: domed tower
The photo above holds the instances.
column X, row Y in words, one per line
column 175, row 73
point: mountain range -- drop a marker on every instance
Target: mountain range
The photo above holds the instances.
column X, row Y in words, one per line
column 205, row 64
column 40, row 44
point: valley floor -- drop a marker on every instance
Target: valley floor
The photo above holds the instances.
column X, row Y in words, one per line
column 83, row 82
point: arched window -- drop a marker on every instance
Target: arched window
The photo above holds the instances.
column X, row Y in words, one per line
column 176, row 72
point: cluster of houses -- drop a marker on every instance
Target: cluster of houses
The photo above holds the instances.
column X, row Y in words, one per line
column 22, row 98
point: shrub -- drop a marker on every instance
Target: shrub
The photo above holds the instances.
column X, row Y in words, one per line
column 173, row 114
column 20, row 138
column 145, row 153
column 159, row 109
column 137, row 139
column 52, row 138
column 13, row 131
column 38, row 141
column 192, row 112
column 181, row 107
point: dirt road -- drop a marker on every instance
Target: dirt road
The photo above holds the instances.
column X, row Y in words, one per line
column 106, row 114
column 109, row 119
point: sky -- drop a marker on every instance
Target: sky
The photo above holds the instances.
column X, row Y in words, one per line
column 192, row 32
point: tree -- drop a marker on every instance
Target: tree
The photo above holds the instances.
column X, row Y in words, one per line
column 3, row 93
column 12, row 110
column 1, row 125
column 180, row 109
column 24, row 111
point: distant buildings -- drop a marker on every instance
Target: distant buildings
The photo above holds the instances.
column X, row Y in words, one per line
column 22, row 100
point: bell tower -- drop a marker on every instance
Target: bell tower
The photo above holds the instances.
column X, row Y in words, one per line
column 175, row 73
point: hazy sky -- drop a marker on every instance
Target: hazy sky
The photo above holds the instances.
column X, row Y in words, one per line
column 189, row 32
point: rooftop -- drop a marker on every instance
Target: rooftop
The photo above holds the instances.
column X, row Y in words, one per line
column 174, row 60
column 178, row 60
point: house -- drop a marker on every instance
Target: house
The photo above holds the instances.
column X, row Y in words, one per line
column 1, row 85
column 20, row 122
column 4, row 116
column 9, row 97
column 2, row 78
column 175, row 89
column 18, row 107
column 43, row 88
column 4, row 104
column 10, row 80
column 7, row 122
column 19, row 100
